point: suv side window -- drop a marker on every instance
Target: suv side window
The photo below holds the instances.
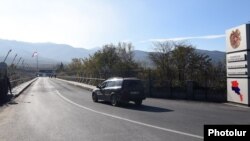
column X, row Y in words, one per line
column 132, row 84
column 110, row 84
column 118, row 83
column 114, row 83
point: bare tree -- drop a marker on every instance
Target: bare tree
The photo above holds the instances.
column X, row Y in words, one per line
column 162, row 59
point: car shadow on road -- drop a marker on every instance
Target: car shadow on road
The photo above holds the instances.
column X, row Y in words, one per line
column 145, row 108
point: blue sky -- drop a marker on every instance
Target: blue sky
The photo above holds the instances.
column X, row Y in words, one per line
column 93, row 23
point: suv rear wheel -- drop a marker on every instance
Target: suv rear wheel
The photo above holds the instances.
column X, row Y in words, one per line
column 114, row 101
column 138, row 102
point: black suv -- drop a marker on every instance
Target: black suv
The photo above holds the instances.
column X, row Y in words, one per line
column 117, row 90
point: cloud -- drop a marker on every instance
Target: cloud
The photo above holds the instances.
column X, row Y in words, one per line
column 126, row 41
column 186, row 38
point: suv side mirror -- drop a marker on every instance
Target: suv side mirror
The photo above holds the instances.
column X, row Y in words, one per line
column 99, row 86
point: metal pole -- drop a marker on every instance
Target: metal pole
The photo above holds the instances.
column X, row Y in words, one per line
column 23, row 64
column 19, row 61
column 12, row 65
column 150, row 83
column 37, row 63
column 27, row 66
column 14, row 59
column 7, row 55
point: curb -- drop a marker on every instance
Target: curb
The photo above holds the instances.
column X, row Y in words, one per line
column 237, row 105
column 20, row 92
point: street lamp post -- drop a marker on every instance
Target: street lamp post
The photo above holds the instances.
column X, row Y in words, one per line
column 27, row 66
column 19, row 61
column 12, row 65
column 14, row 59
column 23, row 64
column 7, row 55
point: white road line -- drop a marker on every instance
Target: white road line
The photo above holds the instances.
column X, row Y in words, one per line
column 129, row 120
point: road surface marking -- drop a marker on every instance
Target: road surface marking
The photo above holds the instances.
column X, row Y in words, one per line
column 129, row 120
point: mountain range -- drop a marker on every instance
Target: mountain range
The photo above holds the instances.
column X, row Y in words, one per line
column 51, row 53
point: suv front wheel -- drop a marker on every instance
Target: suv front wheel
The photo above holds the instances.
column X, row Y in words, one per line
column 114, row 100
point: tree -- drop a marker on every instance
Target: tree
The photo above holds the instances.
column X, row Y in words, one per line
column 107, row 58
column 126, row 66
column 182, row 56
column 162, row 59
column 60, row 67
column 75, row 67
column 111, row 60
column 178, row 61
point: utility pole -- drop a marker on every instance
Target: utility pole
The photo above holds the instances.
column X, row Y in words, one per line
column 7, row 55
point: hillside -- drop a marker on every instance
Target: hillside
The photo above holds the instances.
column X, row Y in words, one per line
column 51, row 53
column 216, row 56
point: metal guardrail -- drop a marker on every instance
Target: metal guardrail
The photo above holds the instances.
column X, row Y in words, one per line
column 17, row 82
column 85, row 80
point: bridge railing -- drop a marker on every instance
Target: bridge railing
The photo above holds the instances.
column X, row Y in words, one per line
column 85, row 80
column 19, row 81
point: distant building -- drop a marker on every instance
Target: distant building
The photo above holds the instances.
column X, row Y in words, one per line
column 46, row 73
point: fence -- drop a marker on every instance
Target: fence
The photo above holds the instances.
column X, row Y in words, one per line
column 189, row 92
column 85, row 80
column 17, row 82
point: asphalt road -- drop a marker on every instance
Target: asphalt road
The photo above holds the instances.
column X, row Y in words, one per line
column 52, row 110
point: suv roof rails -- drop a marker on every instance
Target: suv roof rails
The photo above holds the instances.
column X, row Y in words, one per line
column 115, row 78
column 126, row 78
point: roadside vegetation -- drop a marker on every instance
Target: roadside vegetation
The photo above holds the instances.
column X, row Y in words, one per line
column 174, row 63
